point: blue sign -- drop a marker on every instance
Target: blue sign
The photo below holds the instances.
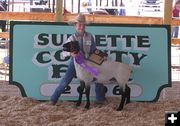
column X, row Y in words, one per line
column 37, row 66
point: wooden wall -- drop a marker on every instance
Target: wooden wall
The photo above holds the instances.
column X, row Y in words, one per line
column 50, row 17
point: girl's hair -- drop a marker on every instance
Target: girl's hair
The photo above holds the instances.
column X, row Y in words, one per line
column 177, row 2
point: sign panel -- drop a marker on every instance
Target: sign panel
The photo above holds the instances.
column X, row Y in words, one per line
column 37, row 66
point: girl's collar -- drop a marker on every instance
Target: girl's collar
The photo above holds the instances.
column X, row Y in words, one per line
column 78, row 34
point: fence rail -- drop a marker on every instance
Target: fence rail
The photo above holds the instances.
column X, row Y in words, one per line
column 50, row 17
column 29, row 16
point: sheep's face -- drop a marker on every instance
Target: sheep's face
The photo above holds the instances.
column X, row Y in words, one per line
column 72, row 47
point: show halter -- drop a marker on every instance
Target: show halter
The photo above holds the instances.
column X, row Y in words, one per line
column 80, row 59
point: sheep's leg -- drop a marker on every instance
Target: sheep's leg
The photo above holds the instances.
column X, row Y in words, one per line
column 80, row 90
column 121, row 105
column 87, row 97
column 128, row 94
column 125, row 98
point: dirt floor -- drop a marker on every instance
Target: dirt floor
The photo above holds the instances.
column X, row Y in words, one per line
column 19, row 111
column 23, row 111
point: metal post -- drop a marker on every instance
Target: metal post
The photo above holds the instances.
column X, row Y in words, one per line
column 79, row 6
column 8, row 5
column 49, row 3
column 53, row 5
column 72, row 6
column 31, row 2
column 12, row 5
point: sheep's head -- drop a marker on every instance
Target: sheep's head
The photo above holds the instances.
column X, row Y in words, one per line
column 72, row 47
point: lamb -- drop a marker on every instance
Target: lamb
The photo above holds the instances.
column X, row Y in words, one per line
column 89, row 72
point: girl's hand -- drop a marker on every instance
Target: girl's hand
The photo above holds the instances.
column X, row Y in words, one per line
column 105, row 57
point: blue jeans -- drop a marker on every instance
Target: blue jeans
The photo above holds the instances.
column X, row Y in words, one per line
column 100, row 92
column 70, row 73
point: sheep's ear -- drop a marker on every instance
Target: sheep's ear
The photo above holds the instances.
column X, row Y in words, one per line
column 66, row 47
column 76, row 42
column 75, row 45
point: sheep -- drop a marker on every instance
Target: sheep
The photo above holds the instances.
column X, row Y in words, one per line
column 89, row 72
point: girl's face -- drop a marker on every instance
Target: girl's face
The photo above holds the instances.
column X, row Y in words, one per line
column 177, row 6
column 80, row 28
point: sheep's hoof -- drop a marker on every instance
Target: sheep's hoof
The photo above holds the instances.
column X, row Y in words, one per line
column 87, row 107
column 78, row 104
column 128, row 101
column 119, row 109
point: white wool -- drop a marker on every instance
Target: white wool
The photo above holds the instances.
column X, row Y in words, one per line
column 65, row 54
column 108, row 70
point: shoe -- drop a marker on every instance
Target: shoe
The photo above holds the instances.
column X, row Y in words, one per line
column 52, row 103
column 101, row 102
